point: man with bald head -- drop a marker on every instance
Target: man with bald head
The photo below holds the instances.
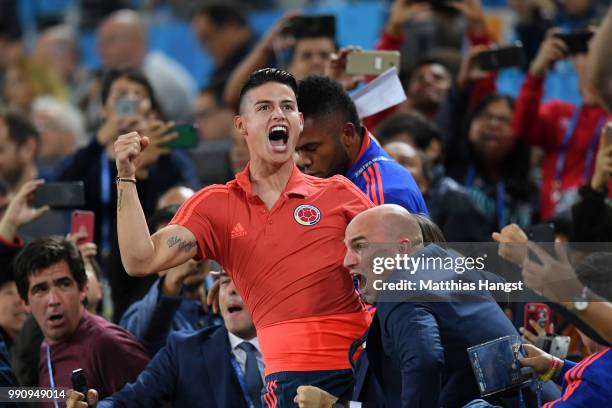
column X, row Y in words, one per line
column 122, row 41
column 416, row 349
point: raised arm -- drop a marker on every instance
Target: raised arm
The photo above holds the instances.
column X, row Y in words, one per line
column 257, row 58
column 141, row 253
column 600, row 55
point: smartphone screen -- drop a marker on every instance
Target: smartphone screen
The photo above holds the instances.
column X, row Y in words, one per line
column 60, row 194
column 83, row 221
column 126, row 106
column 187, row 138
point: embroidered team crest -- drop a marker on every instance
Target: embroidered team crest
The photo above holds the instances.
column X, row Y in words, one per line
column 307, row 215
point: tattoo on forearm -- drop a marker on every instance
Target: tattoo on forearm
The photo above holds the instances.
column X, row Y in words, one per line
column 119, row 199
column 182, row 245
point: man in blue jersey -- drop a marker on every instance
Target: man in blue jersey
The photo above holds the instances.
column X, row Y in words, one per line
column 334, row 142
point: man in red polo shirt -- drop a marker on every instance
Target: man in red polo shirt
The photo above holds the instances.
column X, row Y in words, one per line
column 277, row 232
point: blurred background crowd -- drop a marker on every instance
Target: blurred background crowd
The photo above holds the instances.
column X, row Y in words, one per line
column 487, row 148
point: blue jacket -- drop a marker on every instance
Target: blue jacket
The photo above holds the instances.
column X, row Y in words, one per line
column 417, row 350
column 154, row 317
column 193, row 369
column 384, row 180
column 587, row 383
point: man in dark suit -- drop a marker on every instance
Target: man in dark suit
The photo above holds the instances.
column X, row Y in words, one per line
column 220, row 366
column 415, row 347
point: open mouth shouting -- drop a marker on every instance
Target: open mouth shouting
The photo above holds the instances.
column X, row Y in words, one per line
column 56, row 320
column 234, row 308
column 278, row 136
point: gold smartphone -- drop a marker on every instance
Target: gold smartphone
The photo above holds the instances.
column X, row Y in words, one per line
column 371, row 62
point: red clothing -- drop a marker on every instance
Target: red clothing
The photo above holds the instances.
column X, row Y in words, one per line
column 545, row 125
column 110, row 356
column 286, row 263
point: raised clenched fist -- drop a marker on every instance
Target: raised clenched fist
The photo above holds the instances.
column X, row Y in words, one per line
column 127, row 149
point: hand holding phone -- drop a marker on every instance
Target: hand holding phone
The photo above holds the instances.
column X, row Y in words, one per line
column 371, row 62
column 501, row 57
column 82, row 222
column 126, row 106
column 576, row 42
column 79, row 382
column 541, row 315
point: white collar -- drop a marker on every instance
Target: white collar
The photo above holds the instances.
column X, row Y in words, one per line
column 235, row 341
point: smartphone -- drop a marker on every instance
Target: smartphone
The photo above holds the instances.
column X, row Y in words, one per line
column 126, row 106
column 502, row 57
column 311, row 26
column 83, row 221
column 188, row 137
column 543, row 234
column 440, row 5
column 62, row 194
column 539, row 313
column 371, row 62
column 577, row 42
column 79, row 383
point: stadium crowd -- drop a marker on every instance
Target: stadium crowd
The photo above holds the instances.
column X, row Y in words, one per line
column 213, row 247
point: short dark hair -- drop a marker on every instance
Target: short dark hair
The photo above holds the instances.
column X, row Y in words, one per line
column 135, row 75
column 223, row 13
column 422, row 129
column 320, row 97
column 20, row 127
column 265, row 75
column 43, row 253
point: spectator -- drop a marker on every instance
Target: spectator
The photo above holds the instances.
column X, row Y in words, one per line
column 159, row 170
column 210, row 367
column 334, row 142
column 586, row 383
column 61, row 128
column 430, row 79
column 449, row 204
column 19, row 145
column 175, row 302
column 239, row 153
column 416, row 349
column 12, row 311
column 224, row 33
column 568, row 134
column 308, row 56
column 496, row 172
column 215, row 127
column 19, row 213
column 58, row 46
column 592, row 215
column 122, row 42
column 599, row 69
column 26, row 79
column 51, row 280
column 214, row 120
column 415, row 129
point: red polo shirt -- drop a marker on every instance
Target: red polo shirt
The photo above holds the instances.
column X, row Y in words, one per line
column 286, row 263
